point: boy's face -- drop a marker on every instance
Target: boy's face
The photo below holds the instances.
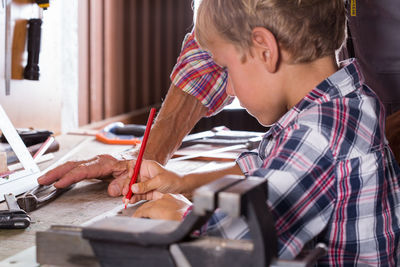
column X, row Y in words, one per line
column 257, row 89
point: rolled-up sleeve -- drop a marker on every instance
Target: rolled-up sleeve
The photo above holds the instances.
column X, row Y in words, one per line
column 198, row 75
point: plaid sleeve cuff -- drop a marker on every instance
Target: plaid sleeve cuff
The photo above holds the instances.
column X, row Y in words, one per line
column 197, row 74
column 189, row 210
column 249, row 162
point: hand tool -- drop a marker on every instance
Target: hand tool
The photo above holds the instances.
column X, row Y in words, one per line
column 115, row 134
column 14, row 217
column 140, row 156
column 32, row 69
column 39, row 196
column 251, row 144
column 136, row 130
column 29, row 136
column 43, row 3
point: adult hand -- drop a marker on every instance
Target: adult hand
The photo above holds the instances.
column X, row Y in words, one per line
column 169, row 207
column 154, row 181
column 98, row 167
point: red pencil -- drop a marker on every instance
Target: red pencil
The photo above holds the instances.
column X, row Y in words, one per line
column 140, row 157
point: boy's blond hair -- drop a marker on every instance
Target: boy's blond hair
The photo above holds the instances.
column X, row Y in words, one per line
column 307, row 29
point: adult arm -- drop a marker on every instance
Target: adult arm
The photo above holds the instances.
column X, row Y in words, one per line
column 178, row 114
column 177, row 117
column 198, row 89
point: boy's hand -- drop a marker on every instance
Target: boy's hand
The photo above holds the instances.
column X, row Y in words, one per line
column 98, row 167
column 169, row 207
column 155, row 179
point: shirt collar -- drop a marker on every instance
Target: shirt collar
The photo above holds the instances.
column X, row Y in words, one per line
column 347, row 79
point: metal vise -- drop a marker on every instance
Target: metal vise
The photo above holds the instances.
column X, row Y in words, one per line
column 125, row 241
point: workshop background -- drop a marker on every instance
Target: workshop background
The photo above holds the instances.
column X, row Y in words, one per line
column 100, row 61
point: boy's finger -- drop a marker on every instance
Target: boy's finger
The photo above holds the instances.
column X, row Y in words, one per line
column 146, row 186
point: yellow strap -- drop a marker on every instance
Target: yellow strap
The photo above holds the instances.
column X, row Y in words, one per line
column 353, row 8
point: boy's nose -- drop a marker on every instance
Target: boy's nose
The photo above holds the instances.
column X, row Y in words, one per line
column 229, row 87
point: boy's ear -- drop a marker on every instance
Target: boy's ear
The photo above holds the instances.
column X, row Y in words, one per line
column 266, row 48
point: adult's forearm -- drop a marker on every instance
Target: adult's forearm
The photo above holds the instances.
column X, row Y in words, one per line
column 178, row 115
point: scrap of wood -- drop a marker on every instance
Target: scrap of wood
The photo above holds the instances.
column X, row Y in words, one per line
column 195, row 149
column 3, row 162
column 82, row 131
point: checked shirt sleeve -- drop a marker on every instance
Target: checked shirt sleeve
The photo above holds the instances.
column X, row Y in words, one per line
column 197, row 74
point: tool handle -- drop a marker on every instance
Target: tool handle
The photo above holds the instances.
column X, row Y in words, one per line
column 14, row 219
column 34, row 33
column 130, row 129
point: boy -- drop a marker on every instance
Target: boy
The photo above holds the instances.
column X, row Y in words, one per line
column 331, row 174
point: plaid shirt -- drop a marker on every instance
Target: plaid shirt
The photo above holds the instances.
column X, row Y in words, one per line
column 198, row 75
column 331, row 176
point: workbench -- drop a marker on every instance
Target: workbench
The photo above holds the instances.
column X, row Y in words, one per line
column 87, row 201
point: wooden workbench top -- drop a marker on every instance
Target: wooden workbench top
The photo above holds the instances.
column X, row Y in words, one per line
column 87, row 200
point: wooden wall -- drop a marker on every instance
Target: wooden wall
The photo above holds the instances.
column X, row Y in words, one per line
column 127, row 51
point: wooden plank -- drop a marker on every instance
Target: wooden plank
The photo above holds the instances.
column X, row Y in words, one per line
column 114, row 57
column 158, row 44
column 145, row 51
column 131, row 49
column 18, row 49
column 83, row 39
column 96, row 60
column 170, row 44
